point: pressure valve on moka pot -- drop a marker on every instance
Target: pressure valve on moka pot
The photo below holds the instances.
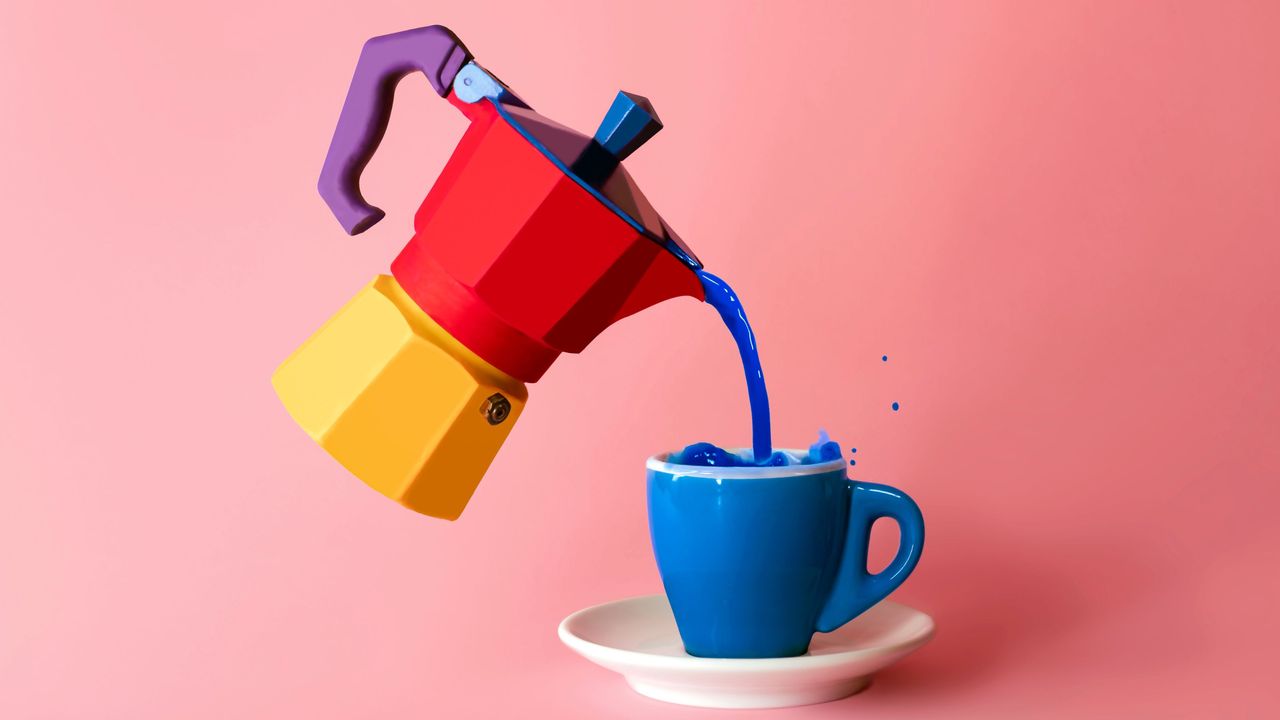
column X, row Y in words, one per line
column 533, row 240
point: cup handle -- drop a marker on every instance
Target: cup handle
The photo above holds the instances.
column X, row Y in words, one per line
column 855, row 589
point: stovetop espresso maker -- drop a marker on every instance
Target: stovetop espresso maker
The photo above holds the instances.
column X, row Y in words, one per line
column 532, row 241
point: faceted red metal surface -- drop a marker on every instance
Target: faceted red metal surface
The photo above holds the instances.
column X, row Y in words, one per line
column 519, row 262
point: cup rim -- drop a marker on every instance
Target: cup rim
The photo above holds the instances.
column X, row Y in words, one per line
column 659, row 463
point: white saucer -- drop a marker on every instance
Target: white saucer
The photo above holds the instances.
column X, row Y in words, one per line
column 638, row 638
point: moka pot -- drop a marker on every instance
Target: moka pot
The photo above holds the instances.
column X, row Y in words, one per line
column 532, row 241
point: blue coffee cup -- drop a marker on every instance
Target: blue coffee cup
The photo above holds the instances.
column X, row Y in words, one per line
column 756, row 559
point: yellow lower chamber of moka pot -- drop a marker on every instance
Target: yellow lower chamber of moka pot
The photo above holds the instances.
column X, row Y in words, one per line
column 399, row 402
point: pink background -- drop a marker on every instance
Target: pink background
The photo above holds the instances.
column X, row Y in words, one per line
column 1060, row 223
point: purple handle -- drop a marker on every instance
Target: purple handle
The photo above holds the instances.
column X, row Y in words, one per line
column 435, row 51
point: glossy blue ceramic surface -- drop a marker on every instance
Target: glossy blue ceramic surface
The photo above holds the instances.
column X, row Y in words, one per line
column 754, row 560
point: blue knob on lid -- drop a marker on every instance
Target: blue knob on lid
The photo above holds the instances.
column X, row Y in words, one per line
column 629, row 123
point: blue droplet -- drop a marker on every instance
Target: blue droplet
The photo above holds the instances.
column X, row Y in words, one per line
column 853, row 450
column 895, row 407
column 884, row 358
column 853, row 462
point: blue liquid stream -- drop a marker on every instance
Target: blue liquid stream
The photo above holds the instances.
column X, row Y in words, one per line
column 722, row 297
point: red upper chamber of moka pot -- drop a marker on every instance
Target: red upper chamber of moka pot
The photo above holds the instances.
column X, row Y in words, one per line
column 534, row 238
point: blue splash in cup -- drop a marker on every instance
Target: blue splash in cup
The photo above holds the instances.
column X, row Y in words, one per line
column 756, row 559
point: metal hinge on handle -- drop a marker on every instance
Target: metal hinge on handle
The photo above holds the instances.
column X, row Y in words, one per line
column 473, row 83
